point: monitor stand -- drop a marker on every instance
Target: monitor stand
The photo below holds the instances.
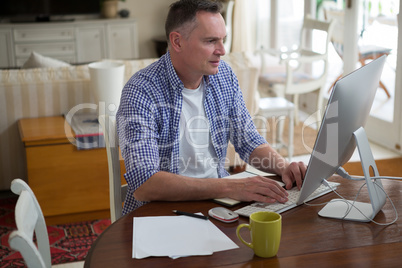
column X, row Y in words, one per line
column 340, row 209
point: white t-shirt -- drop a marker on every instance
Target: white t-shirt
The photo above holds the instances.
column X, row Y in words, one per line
column 197, row 157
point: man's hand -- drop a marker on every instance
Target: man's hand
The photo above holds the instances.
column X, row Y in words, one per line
column 258, row 189
column 294, row 172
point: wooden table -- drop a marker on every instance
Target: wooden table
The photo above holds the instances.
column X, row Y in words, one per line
column 307, row 239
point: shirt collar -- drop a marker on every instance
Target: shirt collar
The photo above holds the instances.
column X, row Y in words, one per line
column 174, row 79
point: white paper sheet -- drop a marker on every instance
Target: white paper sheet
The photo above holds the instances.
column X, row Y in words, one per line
column 177, row 236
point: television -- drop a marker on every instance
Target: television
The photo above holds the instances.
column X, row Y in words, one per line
column 44, row 10
column 341, row 131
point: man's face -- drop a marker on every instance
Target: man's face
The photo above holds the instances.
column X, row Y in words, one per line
column 204, row 46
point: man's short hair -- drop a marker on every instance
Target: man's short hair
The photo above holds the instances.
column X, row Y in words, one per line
column 185, row 11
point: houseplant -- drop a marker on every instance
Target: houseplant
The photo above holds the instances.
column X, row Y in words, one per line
column 109, row 8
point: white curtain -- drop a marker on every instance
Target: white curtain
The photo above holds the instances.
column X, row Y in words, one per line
column 252, row 23
column 244, row 26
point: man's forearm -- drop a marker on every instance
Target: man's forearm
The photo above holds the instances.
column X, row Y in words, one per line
column 173, row 187
column 267, row 159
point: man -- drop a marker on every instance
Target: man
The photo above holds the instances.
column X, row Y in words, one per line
column 177, row 116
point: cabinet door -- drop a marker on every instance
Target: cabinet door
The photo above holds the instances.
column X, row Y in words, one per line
column 66, row 180
column 6, row 53
column 90, row 44
column 122, row 41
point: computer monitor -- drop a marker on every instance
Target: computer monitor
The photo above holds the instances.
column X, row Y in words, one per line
column 347, row 111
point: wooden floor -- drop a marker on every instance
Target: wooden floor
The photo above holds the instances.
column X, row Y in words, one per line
column 78, row 264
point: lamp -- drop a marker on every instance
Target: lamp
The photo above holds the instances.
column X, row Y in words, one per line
column 107, row 81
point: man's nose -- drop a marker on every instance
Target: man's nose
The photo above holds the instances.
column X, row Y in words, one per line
column 220, row 49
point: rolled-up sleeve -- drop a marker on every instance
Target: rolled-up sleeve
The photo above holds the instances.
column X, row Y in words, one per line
column 138, row 137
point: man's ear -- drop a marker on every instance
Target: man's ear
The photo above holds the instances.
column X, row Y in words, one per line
column 175, row 39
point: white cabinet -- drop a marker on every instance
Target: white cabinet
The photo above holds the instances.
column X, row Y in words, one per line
column 6, row 49
column 80, row 41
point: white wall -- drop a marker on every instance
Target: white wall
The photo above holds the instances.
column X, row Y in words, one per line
column 150, row 16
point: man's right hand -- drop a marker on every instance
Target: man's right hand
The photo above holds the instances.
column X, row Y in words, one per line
column 257, row 188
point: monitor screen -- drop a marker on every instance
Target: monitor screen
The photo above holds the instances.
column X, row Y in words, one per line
column 348, row 109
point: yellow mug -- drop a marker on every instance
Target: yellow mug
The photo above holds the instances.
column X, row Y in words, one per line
column 265, row 230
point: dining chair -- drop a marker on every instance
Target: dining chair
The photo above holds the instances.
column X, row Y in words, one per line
column 274, row 110
column 117, row 191
column 305, row 68
column 366, row 52
column 29, row 220
column 247, row 73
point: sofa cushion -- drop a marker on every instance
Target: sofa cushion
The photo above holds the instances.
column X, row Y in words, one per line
column 37, row 60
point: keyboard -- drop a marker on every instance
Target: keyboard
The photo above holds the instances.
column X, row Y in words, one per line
column 282, row 207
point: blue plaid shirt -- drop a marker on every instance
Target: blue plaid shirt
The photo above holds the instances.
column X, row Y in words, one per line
column 148, row 122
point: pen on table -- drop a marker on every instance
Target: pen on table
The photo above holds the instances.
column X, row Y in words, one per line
column 178, row 212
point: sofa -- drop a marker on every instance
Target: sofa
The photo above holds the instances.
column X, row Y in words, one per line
column 40, row 92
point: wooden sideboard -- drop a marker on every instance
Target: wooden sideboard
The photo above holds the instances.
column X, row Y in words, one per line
column 71, row 185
